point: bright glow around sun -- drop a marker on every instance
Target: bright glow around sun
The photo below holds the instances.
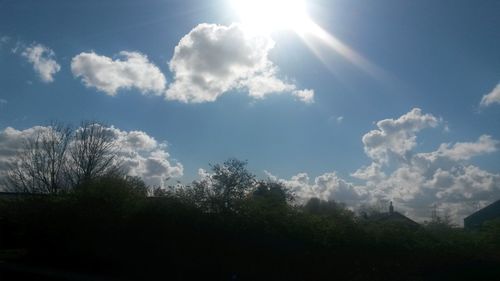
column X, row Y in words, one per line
column 265, row 16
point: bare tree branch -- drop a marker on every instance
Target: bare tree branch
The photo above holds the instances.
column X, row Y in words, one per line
column 57, row 158
column 40, row 165
column 92, row 153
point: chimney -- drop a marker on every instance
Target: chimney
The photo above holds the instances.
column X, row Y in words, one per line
column 391, row 209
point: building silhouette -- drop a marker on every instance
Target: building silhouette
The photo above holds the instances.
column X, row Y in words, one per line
column 477, row 219
column 394, row 217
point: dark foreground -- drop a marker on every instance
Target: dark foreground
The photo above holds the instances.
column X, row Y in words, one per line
column 110, row 232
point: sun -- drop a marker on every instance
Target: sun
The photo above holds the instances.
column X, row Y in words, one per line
column 266, row 16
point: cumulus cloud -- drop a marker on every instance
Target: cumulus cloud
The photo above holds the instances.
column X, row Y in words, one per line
column 143, row 156
column 128, row 70
column 328, row 186
column 43, row 60
column 492, row 97
column 397, row 137
column 11, row 143
column 138, row 153
column 415, row 187
column 370, row 172
column 463, row 150
column 214, row 59
column 417, row 181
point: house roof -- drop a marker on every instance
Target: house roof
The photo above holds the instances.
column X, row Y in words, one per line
column 492, row 209
column 394, row 217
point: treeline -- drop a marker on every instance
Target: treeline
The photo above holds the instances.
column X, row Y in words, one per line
column 231, row 226
column 78, row 211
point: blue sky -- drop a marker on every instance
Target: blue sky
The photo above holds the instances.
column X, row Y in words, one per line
column 440, row 57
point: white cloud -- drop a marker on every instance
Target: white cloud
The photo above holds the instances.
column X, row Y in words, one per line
column 214, row 59
column 11, row 143
column 306, row 96
column 415, row 188
column 416, row 181
column 43, row 60
column 464, row 150
column 139, row 154
column 492, row 97
column 328, row 186
column 129, row 70
column 265, row 83
column 397, row 137
column 370, row 172
column 340, row 119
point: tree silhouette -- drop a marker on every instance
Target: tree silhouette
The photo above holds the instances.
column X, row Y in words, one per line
column 41, row 164
column 92, row 153
column 57, row 158
column 228, row 183
column 272, row 193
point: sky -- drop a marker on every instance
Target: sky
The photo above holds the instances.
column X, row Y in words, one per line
column 353, row 101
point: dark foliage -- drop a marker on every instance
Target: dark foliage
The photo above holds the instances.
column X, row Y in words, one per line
column 110, row 227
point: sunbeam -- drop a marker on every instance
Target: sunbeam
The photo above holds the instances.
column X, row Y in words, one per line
column 314, row 36
column 267, row 16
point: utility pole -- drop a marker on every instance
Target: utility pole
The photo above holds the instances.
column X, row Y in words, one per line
column 434, row 213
